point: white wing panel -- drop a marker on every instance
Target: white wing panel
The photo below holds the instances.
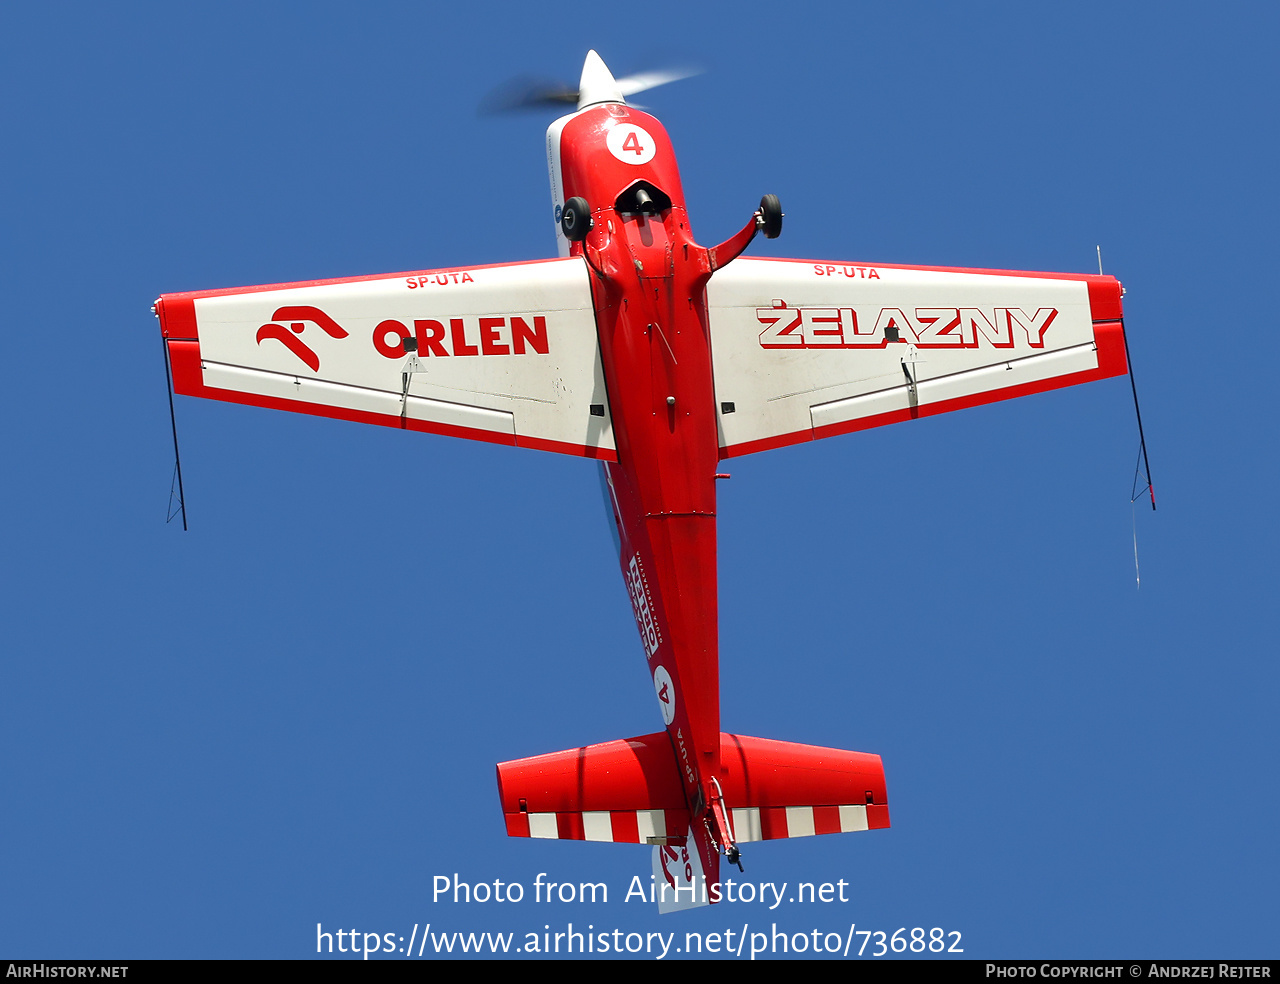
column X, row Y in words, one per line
column 506, row 351
column 802, row 349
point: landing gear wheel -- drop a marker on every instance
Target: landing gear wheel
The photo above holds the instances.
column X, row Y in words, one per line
column 771, row 214
column 575, row 219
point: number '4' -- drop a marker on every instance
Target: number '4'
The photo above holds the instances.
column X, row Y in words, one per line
column 632, row 143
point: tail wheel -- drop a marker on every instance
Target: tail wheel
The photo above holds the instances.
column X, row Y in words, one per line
column 575, row 219
column 771, row 216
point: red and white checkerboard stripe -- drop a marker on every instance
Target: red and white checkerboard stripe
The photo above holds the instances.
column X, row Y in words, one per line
column 617, row 826
column 650, row 826
column 773, row 822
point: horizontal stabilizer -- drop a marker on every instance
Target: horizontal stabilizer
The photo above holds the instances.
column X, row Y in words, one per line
column 629, row 791
column 626, row 791
column 784, row 789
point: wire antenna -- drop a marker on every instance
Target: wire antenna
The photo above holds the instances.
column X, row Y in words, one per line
column 1134, row 492
column 1143, row 460
column 175, row 484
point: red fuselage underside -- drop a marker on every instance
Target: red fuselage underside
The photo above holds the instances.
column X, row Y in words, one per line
column 649, row 288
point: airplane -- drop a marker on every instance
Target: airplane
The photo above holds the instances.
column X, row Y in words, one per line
column 659, row 358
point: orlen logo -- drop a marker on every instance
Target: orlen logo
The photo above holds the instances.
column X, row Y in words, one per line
column 677, row 865
column 465, row 336
column 638, row 588
column 297, row 317
column 931, row 327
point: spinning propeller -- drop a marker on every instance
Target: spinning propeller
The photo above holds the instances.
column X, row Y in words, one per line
column 597, row 85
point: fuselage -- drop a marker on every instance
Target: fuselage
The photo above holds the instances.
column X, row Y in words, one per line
column 648, row 280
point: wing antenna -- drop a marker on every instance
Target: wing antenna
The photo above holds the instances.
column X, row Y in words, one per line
column 175, row 484
column 1142, row 439
column 1134, row 492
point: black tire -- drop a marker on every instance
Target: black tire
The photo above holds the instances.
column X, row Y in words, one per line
column 575, row 219
column 771, row 212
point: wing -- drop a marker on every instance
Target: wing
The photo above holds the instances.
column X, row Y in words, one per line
column 803, row 350
column 506, row 354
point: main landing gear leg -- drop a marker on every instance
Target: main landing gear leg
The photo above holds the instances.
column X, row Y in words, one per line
column 767, row 219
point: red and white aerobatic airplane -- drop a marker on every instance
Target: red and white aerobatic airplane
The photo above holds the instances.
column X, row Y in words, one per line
column 659, row 358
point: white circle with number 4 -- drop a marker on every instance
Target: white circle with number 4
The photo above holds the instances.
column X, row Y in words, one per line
column 666, row 692
column 631, row 144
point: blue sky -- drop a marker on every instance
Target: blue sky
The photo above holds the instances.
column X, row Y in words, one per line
column 210, row 742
